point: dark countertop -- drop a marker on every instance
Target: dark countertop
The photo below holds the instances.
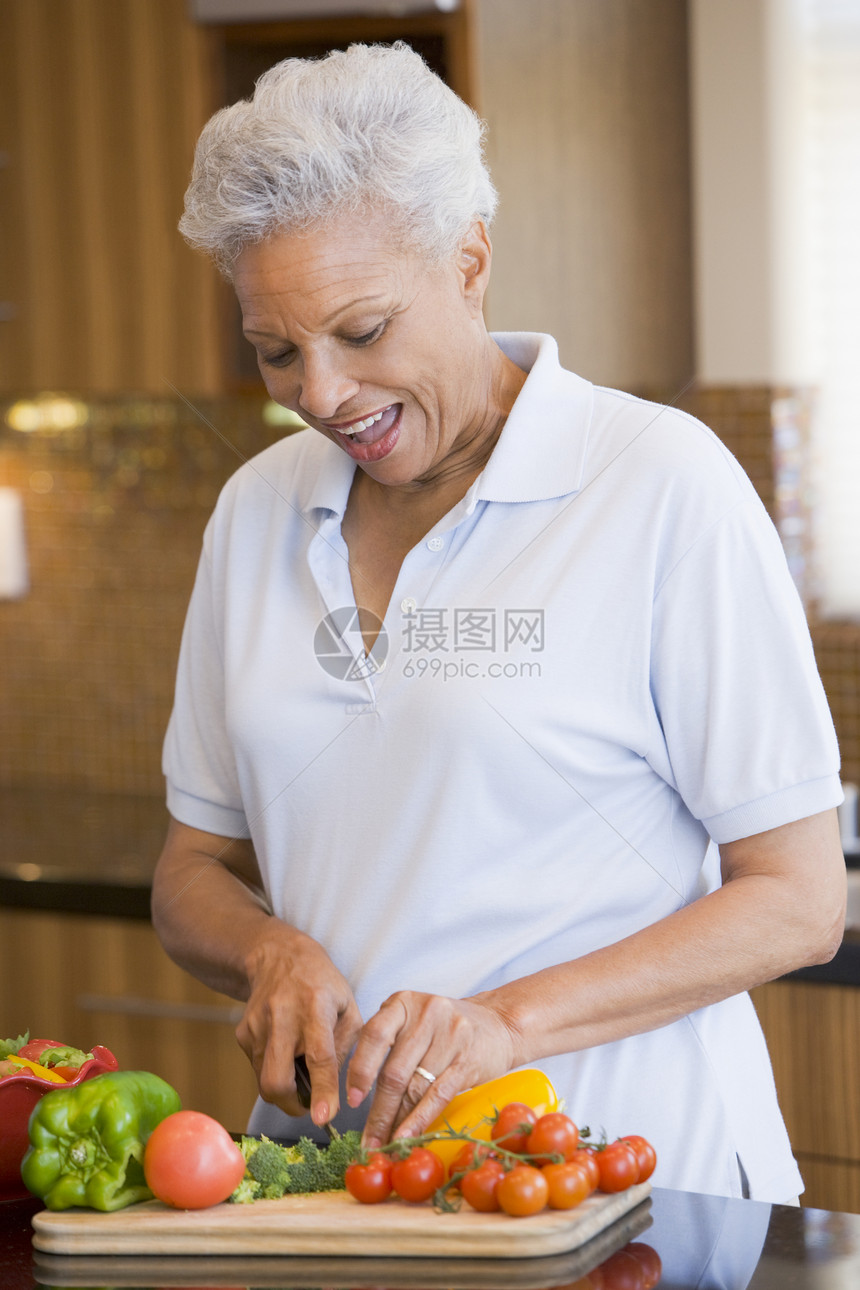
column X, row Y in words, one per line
column 72, row 851
column 843, row 969
column 706, row 1242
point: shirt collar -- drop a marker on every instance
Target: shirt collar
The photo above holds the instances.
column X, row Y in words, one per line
column 541, row 450
column 540, row 453
column 328, row 475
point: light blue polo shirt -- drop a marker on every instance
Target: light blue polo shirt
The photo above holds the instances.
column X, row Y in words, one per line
column 594, row 665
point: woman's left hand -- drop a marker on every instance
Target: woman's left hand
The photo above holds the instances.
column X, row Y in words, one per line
column 413, row 1036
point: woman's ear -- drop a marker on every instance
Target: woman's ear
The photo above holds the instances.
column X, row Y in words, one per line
column 473, row 262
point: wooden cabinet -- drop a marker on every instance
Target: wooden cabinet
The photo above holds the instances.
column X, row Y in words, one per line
column 101, row 104
column 102, row 101
column 92, row 980
column 813, row 1033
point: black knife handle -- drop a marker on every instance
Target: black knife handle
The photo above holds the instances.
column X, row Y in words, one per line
column 303, row 1081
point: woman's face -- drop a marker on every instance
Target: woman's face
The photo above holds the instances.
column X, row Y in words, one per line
column 385, row 355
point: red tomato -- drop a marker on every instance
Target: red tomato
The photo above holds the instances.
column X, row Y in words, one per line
column 470, row 1155
column 369, row 1182
column 645, row 1154
column 523, row 1191
column 190, row 1161
column 479, row 1186
column 35, row 1051
column 417, row 1176
column 619, row 1168
column 649, row 1259
column 513, row 1125
column 569, row 1184
column 34, row 1048
column 621, row 1271
column 587, row 1157
column 555, row 1134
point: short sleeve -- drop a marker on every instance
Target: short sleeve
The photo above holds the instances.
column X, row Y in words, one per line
column 202, row 783
column 748, row 733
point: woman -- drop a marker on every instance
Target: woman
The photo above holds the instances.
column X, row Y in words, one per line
column 498, row 738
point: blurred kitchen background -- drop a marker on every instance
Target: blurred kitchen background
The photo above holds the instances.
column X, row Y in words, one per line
column 667, row 171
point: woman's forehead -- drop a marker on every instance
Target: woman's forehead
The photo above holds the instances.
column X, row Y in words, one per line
column 327, row 272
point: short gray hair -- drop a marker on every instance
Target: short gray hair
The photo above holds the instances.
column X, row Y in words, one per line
column 371, row 127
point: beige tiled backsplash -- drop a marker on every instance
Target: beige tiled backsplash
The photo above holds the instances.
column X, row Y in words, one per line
column 115, row 510
column 837, row 648
column 767, row 430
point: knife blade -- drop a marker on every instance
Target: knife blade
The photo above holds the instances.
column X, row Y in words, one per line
column 303, row 1088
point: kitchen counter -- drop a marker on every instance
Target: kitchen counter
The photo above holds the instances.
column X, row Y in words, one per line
column 843, row 968
column 705, row 1242
column 69, row 851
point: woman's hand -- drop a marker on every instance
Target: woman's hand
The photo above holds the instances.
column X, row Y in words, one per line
column 461, row 1042
column 298, row 1003
column 212, row 917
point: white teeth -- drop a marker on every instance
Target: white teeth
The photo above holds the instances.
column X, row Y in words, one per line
column 358, row 426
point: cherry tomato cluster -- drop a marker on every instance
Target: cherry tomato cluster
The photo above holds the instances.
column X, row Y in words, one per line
column 414, row 1177
column 530, row 1162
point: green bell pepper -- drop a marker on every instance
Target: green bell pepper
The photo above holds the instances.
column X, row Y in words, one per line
column 87, row 1142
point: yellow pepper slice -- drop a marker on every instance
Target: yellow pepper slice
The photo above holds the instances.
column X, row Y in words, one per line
column 472, row 1110
column 42, row 1071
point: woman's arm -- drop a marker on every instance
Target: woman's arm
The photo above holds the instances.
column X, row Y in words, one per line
column 207, row 900
column 781, row 906
column 211, row 916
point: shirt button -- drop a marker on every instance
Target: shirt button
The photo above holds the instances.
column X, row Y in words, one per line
column 435, row 544
column 408, row 605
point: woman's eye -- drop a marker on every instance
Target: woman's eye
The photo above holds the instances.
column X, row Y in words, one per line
column 279, row 359
column 368, row 338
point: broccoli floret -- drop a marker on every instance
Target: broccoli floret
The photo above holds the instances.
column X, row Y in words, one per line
column 340, row 1153
column 249, row 1145
column 310, row 1172
column 246, row 1192
column 323, row 1168
column 270, row 1167
column 273, row 1171
column 266, row 1170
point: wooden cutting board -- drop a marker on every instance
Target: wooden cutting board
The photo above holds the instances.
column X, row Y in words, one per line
column 332, row 1224
column 350, row 1272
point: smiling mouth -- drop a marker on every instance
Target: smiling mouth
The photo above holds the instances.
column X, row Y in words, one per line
column 358, row 426
column 371, row 428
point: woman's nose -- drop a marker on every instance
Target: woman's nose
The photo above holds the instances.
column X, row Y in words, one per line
column 325, row 388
